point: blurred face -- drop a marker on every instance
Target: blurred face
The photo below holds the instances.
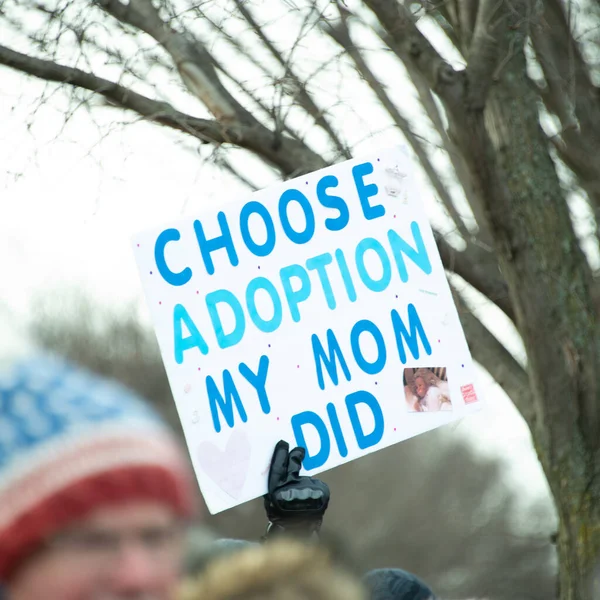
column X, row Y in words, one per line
column 421, row 387
column 129, row 552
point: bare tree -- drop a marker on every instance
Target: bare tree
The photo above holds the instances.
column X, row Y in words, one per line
column 509, row 104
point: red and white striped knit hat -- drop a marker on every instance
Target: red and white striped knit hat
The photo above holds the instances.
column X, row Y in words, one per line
column 71, row 442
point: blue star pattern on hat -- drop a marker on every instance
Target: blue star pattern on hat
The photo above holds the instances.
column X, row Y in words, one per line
column 44, row 398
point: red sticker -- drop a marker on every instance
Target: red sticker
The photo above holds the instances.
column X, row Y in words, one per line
column 468, row 393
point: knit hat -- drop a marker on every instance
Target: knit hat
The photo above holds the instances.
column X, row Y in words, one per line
column 71, row 442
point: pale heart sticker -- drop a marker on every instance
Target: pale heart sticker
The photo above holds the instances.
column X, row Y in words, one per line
column 228, row 468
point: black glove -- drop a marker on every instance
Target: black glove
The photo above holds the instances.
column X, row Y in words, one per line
column 294, row 504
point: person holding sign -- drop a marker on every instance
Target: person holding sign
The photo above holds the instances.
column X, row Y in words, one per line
column 295, row 505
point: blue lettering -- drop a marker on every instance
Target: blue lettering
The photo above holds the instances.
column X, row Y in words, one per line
column 295, row 297
column 166, row 236
column 261, row 283
column 370, row 439
column 298, row 237
column 412, row 336
column 337, row 430
column 346, row 278
column 368, row 367
column 418, row 255
column 311, row 461
column 366, row 191
column 329, row 360
column 194, row 340
column 318, row 263
column 335, row 202
column 232, row 338
column 224, row 404
column 258, row 381
column 222, row 241
column 375, row 285
column 248, row 209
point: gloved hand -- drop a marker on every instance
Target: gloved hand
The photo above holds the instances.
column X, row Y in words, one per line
column 294, row 504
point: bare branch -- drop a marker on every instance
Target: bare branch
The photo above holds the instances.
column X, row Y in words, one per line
column 266, row 110
column 193, row 62
column 428, row 71
column 572, row 152
column 496, row 360
column 415, row 50
column 554, row 96
column 565, row 54
column 467, row 15
column 420, row 82
column 153, row 110
column 292, row 157
column 225, row 164
column 341, row 35
column 302, row 96
column 479, row 268
column 280, row 125
column 571, row 96
column 438, row 11
column 197, row 69
column 485, row 49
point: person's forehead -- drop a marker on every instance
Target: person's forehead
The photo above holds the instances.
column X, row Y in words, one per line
column 129, row 515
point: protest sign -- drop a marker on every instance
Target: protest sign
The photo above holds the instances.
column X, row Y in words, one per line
column 316, row 311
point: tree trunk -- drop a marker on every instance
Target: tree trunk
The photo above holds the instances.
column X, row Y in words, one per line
column 550, row 285
column 579, row 544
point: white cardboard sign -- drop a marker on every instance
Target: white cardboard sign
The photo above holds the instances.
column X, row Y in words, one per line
column 316, row 311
